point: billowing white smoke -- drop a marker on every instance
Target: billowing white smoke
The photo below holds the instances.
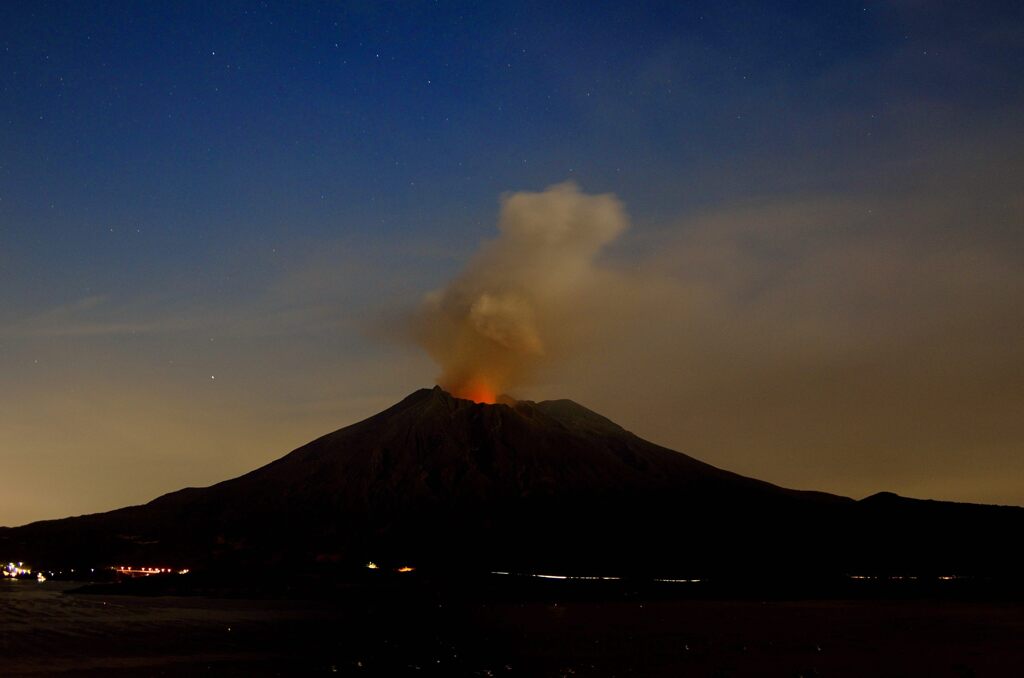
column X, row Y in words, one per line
column 511, row 309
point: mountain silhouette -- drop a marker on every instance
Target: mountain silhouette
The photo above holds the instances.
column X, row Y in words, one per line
column 440, row 482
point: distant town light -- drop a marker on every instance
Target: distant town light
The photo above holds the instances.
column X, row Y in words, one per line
column 15, row 571
column 144, row 571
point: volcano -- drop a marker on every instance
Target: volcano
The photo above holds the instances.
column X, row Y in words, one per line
column 442, row 482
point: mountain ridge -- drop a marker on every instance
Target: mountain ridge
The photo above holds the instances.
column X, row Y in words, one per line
column 443, row 481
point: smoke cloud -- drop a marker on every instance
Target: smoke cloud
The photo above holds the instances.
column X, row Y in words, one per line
column 513, row 308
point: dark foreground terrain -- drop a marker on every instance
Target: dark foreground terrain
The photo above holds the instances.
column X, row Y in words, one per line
column 549, row 630
column 275, row 577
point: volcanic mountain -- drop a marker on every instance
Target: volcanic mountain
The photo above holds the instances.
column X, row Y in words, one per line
column 438, row 481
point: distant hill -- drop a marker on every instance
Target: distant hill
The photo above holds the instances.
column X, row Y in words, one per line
column 440, row 482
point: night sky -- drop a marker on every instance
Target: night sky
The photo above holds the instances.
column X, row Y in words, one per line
column 215, row 219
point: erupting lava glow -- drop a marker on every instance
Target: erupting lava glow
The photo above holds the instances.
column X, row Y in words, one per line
column 476, row 390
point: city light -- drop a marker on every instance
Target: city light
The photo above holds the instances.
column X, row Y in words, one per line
column 142, row 571
column 16, row 570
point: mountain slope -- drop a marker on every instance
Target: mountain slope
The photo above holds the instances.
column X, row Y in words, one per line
column 439, row 481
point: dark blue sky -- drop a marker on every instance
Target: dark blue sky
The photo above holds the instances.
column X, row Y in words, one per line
column 173, row 169
column 187, row 127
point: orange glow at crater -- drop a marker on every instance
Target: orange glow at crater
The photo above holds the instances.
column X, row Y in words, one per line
column 476, row 390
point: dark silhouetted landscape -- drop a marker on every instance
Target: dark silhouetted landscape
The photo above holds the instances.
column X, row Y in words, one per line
column 461, row 538
column 446, row 484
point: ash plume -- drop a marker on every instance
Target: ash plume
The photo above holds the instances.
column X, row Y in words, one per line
column 513, row 308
